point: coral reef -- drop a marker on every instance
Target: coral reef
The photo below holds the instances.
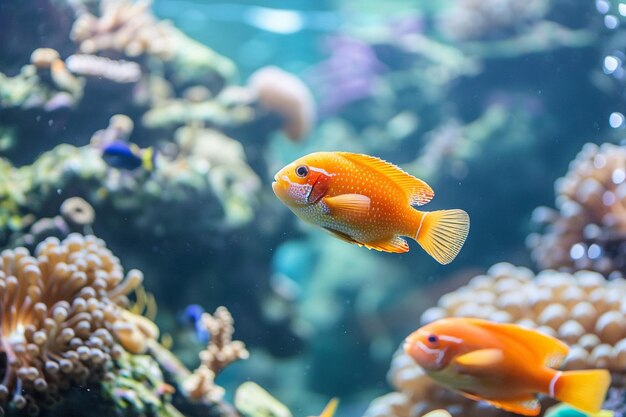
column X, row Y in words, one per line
column 67, row 322
column 64, row 319
column 588, row 229
column 474, row 19
column 582, row 309
column 75, row 216
column 123, row 26
column 208, row 167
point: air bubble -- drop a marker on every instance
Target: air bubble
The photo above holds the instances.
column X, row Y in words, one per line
column 610, row 21
column 618, row 176
column 621, row 8
column 577, row 251
column 608, row 198
column 611, row 63
column 616, row 119
column 603, row 6
column 594, row 251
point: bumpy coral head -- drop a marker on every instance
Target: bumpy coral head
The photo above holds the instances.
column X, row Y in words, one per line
column 434, row 345
column 302, row 182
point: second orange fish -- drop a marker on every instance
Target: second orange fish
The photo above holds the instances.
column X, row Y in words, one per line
column 367, row 201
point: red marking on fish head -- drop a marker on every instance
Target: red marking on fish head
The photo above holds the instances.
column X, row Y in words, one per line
column 301, row 182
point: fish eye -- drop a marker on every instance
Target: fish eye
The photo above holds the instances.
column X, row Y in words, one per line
column 302, row 171
column 433, row 339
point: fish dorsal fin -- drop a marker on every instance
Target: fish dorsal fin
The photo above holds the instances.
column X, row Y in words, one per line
column 526, row 407
column 479, row 360
column 547, row 350
column 348, row 204
column 331, row 407
column 417, row 191
column 396, row 245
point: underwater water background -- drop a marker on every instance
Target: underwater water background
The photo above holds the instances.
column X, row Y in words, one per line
column 489, row 104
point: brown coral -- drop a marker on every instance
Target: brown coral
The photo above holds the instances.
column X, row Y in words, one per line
column 220, row 351
column 288, row 96
column 582, row 309
column 589, row 229
column 124, row 26
column 63, row 319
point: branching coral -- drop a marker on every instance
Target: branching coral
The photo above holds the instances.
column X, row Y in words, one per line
column 128, row 28
column 118, row 71
column 584, row 310
column 123, row 26
column 589, row 229
column 64, row 319
column 221, row 351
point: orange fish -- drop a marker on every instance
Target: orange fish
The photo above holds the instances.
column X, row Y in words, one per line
column 503, row 364
column 367, row 201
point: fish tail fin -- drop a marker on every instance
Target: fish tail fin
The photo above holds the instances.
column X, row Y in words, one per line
column 148, row 159
column 442, row 233
column 584, row 390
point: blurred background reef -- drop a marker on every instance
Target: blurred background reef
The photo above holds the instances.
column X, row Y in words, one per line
column 510, row 110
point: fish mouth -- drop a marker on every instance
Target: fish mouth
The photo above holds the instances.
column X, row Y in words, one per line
column 277, row 187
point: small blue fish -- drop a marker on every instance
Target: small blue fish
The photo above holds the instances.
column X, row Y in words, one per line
column 193, row 315
column 128, row 156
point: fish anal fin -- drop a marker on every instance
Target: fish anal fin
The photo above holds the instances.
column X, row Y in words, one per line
column 417, row 191
column 343, row 236
column 547, row 350
column 525, row 407
column 395, row 245
column 479, row 360
column 348, row 205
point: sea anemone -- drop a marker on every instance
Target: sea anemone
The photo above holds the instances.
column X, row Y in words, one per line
column 64, row 318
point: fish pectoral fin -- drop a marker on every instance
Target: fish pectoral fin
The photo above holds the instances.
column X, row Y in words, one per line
column 348, row 205
column 395, row 245
column 343, row 236
column 479, row 360
column 416, row 190
column 547, row 350
column 525, row 407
